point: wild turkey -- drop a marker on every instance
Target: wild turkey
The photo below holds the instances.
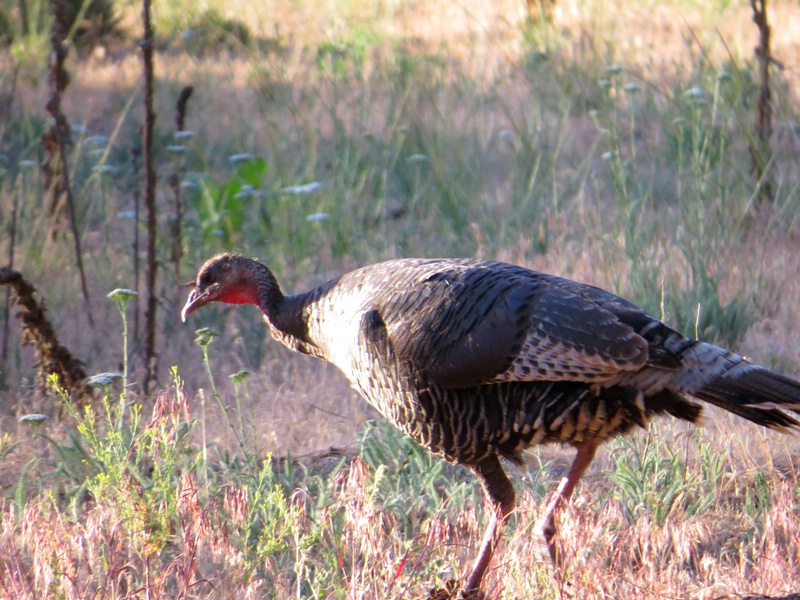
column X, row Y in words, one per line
column 478, row 360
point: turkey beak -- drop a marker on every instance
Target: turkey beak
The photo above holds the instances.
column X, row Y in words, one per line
column 195, row 300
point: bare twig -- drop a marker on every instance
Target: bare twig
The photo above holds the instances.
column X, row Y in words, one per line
column 175, row 183
column 5, row 114
column 38, row 332
column 7, row 103
column 11, row 245
column 760, row 153
column 55, row 140
column 149, row 197
column 136, row 155
column 23, row 17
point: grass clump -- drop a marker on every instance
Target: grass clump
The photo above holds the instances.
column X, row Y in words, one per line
column 212, row 32
column 650, row 478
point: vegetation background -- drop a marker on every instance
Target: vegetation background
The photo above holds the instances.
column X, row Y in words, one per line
column 607, row 142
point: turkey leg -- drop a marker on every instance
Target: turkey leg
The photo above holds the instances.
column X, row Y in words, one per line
column 547, row 525
column 500, row 498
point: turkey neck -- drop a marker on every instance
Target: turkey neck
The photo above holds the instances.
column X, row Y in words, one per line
column 285, row 315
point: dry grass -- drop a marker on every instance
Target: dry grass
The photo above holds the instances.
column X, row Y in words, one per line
column 349, row 546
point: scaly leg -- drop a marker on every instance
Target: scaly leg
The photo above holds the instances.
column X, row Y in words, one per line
column 500, row 498
column 547, row 524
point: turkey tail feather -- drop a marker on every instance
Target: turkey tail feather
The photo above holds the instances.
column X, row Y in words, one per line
column 730, row 381
column 759, row 387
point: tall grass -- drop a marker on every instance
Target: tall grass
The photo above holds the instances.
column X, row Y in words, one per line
column 143, row 518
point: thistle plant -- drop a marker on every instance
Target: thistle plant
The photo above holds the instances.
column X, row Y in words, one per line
column 121, row 297
column 203, row 338
column 34, row 420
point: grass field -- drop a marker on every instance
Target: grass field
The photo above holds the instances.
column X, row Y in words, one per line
column 609, row 146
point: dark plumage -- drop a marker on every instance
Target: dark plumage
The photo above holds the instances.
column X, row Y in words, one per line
column 477, row 360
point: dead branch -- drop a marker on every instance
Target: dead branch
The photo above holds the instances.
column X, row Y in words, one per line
column 175, row 183
column 53, row 358
column 149, row 198
column 55, row 173
column 760, row 152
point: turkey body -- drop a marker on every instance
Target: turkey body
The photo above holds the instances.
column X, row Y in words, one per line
column 473, row 357
column 477, row 360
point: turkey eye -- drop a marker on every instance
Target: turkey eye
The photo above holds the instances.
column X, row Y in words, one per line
column 205, row 279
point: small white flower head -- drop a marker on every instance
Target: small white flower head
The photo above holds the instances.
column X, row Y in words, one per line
column 176, row 148
column 605, row 84
column 105, row 169
column 122, row 294
column 246, row 191
column 97, row 152
column 506, row 134
column 96, row 141
column 239, row 158
column 205, row 335
column 610, row 155
column 614, row 69
column 79, row 129
column 240, row 376
column 632, row 88
column 189, row 185
column 723, row 76
column 103, row 380
column 218, row 232
column 184, row 135
column 34, row 419
column 317, row 217
column 414, row 158
column 27, row 164
column 121, row 297
column 127, row 214
column 694, row 93
column 303, row 189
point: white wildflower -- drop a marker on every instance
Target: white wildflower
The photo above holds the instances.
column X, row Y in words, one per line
column 693, row 93
column 303, row 189
column 33, row 419
column 632, row 88
column 96, row 140
column 104, row 379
